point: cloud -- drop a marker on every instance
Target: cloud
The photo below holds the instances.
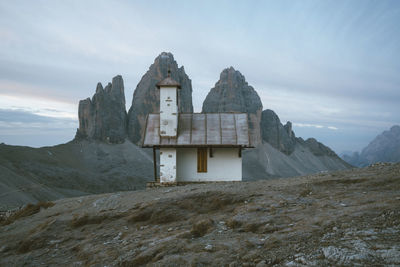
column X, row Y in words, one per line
column 38, row 105
column 336, row 69
column 22, row 127
column 19, row 118
column 317, row 126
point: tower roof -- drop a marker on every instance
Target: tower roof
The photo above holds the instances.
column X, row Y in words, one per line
column 168, row 82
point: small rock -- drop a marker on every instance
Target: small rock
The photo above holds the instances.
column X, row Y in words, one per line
column 170, row 229
column 118, row 236
column 261, row 263
column 334, row 228
column 208, row 247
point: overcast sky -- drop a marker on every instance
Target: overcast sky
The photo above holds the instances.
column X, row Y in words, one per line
column 332, row 68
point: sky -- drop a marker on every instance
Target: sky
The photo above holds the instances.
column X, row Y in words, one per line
column 332, row 68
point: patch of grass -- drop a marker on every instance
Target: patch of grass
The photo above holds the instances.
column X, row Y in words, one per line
column 28, row 210
column 345, row 181
column 86, row 219
column 171, row 210
column 209, row 201
column 41, row 226
column 233, row 223
column 272, row 243
column 202, row 227
column 252, row 227
column 30, row 244
column 392, row 181
column 140, row 216
column 158, row 213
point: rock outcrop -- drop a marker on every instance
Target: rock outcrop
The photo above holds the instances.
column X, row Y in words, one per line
column 317, row 148
column 146, row 96
column 104, row 117
column 273, row 132
column 233, row 94
column 284, row 139
column 384, row 148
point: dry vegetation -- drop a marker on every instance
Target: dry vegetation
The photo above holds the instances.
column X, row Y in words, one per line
column 25, row 211
column 338, row 219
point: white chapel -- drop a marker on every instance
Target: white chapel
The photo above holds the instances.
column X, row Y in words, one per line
column 195, row 147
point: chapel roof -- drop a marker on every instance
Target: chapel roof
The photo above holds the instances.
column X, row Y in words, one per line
column 201, row 129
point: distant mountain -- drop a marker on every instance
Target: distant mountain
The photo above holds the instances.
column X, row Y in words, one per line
column 384, row 148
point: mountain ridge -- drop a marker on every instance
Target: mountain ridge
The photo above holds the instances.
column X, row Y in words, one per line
column 385, row 147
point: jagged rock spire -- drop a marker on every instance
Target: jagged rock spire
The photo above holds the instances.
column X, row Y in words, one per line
column 146, row 96
column 103, row 117
column 233, row 94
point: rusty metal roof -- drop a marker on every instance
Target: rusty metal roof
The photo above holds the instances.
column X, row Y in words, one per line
column 201, row 129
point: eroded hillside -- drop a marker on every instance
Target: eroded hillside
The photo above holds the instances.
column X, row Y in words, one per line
column 343, row 218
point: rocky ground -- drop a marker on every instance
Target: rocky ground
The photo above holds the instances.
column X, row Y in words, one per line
column 346, row 218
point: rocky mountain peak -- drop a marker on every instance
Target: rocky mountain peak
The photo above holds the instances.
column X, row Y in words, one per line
column 232, row 93
column 232, row 75
column 318, row 148
column 146, row 98
column 273, row 132
column 103, row 117
column 288, row 128
column 384, row 148
column 99, row 88
column 395, row 129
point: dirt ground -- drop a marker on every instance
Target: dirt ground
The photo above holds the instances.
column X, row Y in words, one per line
column 346, row 218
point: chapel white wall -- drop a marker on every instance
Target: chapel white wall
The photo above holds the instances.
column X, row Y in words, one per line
column 167, row 165
column 225, row 165
column 168, row 111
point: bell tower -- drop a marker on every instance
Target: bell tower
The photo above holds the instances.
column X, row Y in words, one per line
column 168, row 106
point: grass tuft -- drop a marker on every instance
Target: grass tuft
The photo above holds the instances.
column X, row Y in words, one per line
column 201, row 228
column 28, row 210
